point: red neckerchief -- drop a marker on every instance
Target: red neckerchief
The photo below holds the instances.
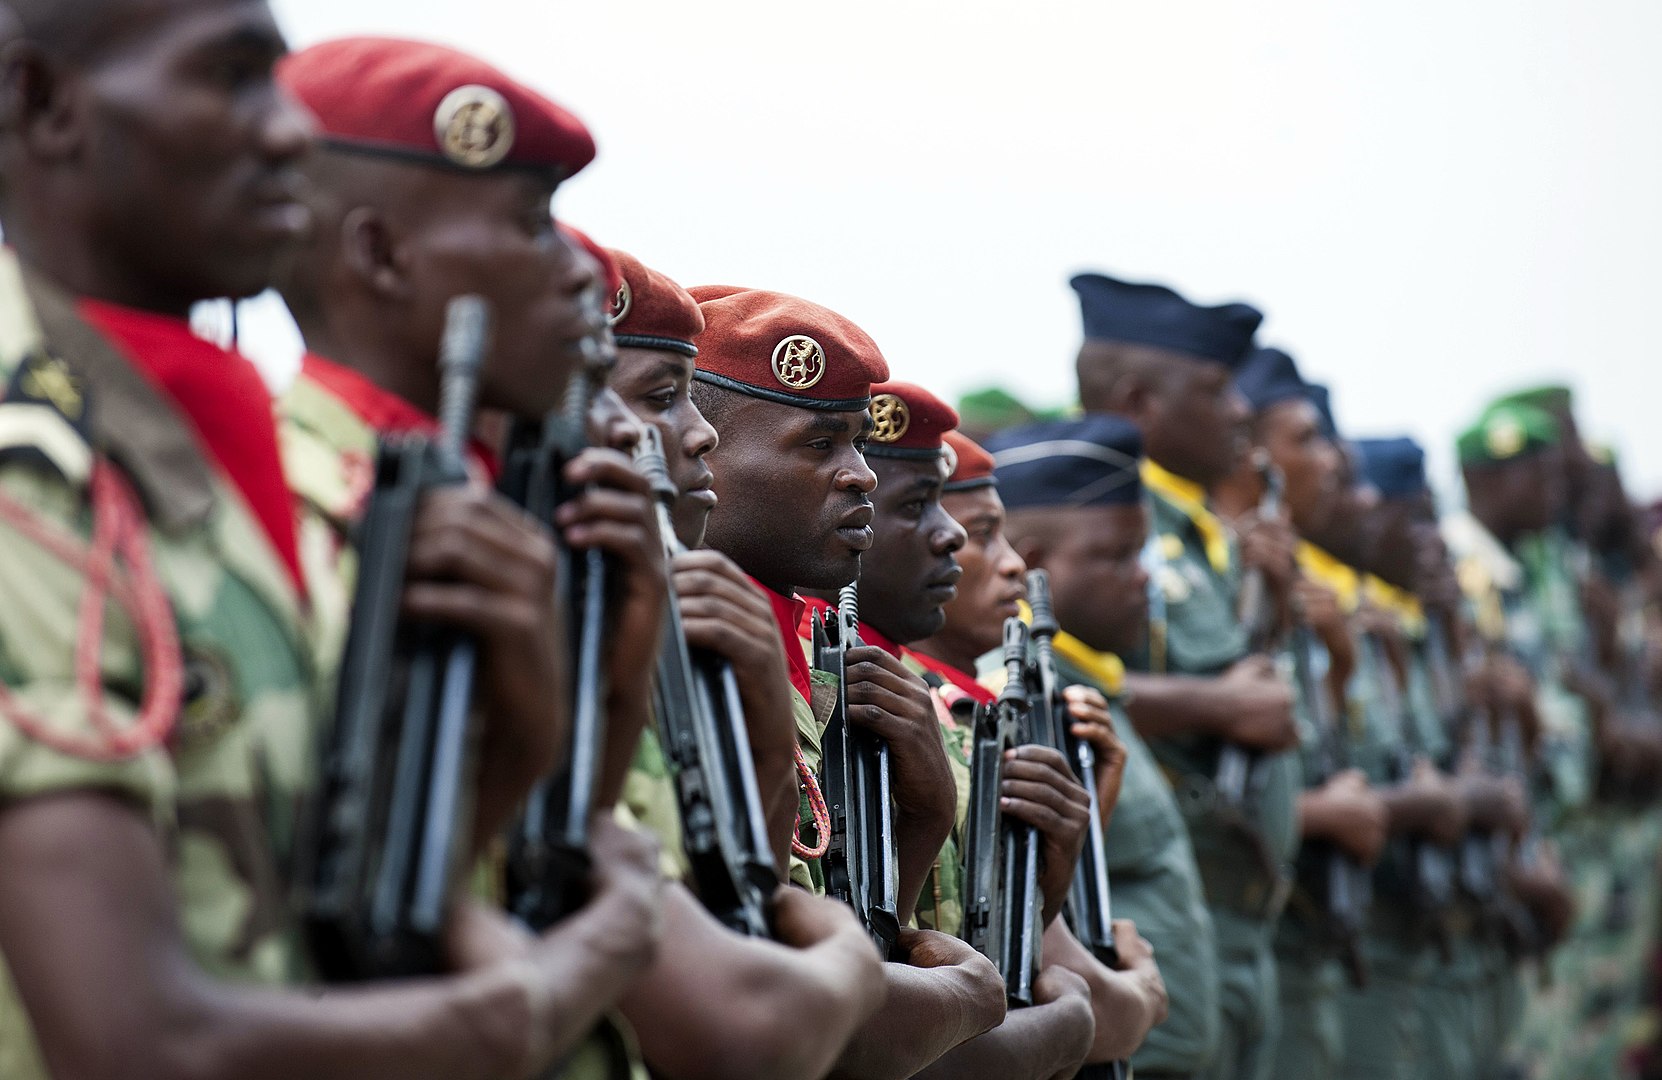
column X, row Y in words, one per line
column 227, row 403
column 869, row 635
column 788, row 612
column 962, row 680
column 383, row 411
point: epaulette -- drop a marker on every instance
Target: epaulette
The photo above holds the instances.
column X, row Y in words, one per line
column 44, row 418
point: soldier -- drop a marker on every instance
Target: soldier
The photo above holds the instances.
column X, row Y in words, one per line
column 1131, row 1001
column 786, row 384
column 1074, row 500
column 908, row 575
column 1338, row 809
column 1200, row 695
column 165, row 742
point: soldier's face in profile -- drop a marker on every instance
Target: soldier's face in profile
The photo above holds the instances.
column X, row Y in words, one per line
column 793, row 490
column 494, row 235
column 1097, row 577
column 911, row 571
column 183, row 155
column 1308, row 461
column 1196, row 422
column 993, row 574
column 655, row 384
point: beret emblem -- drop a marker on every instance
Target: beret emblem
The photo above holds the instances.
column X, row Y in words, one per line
column 1505, row 438
column 890, row 418
column 798, row 362
column 474, row 126
column 622, row 301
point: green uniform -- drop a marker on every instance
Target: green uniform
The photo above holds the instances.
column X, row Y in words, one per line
column 1243, row 861
column 223, row 789
column 1157, row 885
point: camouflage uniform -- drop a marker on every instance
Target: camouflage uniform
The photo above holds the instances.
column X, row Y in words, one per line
column 224, row 788
column 1244, row 864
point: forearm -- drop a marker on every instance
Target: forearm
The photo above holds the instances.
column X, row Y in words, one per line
column 1032, row 1044
column 1161, row 706
column 628, row 711
column 745, row 1018
column 927, row 1012
column 1412, row 811
column 1123, row 1013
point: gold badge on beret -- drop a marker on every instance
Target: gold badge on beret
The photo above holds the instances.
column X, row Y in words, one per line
column 1505, row 438
column 890, row 418
column 622, row 301
column 475, row 126
column 798, row 362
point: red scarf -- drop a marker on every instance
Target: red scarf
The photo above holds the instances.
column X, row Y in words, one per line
column 227, row 403
column 869, row 635
column 789, row 612
column 961, row 680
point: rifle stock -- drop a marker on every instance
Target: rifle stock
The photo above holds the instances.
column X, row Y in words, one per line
column 390, row 825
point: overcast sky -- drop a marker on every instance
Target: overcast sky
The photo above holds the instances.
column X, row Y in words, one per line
column 1433, row 202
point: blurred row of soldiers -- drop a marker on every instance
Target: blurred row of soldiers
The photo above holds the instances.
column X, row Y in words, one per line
column 1374, row 791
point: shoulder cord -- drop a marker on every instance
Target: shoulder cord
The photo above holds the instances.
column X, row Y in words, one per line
column 816, row 805
column 118, row 532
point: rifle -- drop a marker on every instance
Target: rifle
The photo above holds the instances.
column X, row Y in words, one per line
column 1345, row 885
column 861, row 867
column 701, row 724
column 548, row 859
column 390, row 824
column 1431, row 874
column 1089, row 909
column 1002, row 906
column 1236, row 781
column 1478, row 860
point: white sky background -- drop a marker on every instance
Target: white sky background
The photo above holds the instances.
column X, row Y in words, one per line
column 1433, row 201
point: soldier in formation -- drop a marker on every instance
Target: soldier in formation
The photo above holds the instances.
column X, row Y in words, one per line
column 572, row 673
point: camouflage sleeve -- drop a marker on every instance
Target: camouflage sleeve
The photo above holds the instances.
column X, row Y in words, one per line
column 941, row 903
column 44, row 704
column 650, row 801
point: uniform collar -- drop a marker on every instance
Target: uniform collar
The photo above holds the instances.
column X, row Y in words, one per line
column 1399, row 602
column 1189, row 498
column 788, row 613
column 963, row 680
column 1103, row 668
column 1330, row 571
column 381, row 409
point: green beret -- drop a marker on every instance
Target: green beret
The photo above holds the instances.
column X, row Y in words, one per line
column 1505, row 431
column 1552, row 398
column 995, row 409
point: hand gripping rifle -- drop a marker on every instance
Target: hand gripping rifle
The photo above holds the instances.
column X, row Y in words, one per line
column 1481, row 853
column 391, row 822
column 861, row 867
column 548, row 846
column 1236, row 782
column 701, row 724
column 1002, row 905
column 1089, row 910
column 1431, row 869
column 1345, row 886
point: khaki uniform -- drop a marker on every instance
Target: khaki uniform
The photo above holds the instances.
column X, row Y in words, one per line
column 223, row 790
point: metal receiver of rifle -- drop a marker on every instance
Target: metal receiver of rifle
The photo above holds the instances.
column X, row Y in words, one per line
column 548, row 846
column 1236, row 782
column 861, row 867
column 702, row 727
column 1089, row 908
column 390, row 826
column 998, row 727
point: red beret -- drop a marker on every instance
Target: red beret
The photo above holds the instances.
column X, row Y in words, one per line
column 783, row 349
column 972, row 467
column 427, row 103
column 611, row 276
column 649, row 311
column 909, row 421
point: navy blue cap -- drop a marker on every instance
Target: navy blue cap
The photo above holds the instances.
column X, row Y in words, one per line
column 1093, row 461
column 1395, row 466
column 1269, row 377
column 1148, row 314
column 1317, row 394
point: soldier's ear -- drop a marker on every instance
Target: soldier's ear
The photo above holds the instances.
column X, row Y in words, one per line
column 41, row 102
column 370, row 247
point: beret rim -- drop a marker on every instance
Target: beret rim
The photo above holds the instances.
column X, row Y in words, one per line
column 409, row 155
column 780, row 398
column 972, row 484
column 909, row 453
column 654, row 341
